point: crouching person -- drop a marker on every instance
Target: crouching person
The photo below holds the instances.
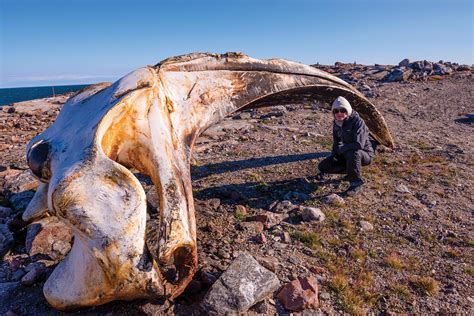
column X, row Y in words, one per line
column 351, row 148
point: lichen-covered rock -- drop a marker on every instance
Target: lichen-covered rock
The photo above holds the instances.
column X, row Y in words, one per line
column 49, row 237
column 242, row 285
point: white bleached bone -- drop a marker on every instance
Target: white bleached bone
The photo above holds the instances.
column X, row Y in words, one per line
column 149, row 121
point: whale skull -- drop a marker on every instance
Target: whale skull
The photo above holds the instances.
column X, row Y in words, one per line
column 149, row 121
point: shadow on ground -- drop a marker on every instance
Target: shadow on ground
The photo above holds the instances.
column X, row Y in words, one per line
column 199, row 172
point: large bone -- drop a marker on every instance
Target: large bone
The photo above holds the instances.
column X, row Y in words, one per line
column 149, row 121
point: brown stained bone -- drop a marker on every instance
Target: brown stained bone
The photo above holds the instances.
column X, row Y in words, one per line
column 149, row 120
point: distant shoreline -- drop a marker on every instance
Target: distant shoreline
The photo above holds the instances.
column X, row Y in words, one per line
column 14, row 95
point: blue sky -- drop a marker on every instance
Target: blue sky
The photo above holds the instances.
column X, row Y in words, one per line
column 45, row 42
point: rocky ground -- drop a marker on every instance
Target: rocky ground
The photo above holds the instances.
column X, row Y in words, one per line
column 404, row 245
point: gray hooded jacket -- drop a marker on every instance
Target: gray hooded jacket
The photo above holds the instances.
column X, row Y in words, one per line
column 352, row 135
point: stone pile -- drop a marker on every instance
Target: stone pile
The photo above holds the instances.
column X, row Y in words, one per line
column 406, row 70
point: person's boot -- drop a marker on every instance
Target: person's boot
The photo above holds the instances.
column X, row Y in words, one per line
column 346, row 178
column 355, row 188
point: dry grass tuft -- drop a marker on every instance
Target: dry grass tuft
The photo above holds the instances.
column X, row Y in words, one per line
column 424, row 285
column 394, row 262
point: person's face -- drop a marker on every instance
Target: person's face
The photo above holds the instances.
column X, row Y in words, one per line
column 340, row 114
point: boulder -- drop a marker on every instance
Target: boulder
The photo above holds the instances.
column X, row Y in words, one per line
column 417, row 65
column 440, row 69
column 463, row 67
column 242, row 285
column 404, row 63
column 50, row 237
column 398, row 74
column 300, row 294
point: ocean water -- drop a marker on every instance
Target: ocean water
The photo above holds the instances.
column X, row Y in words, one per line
column 12, row 95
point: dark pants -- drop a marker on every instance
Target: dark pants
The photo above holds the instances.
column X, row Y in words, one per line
column 350, row 163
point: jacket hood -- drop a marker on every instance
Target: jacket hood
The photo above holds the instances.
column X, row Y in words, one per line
column 342, row 103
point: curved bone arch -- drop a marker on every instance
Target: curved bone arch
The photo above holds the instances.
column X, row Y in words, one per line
column 149, row 120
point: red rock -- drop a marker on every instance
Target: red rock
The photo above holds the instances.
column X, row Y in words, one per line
column 253, row 227
column 317, row 270
column 268, row 219
column 271, row 263
column 50, row 237
column 300, row 294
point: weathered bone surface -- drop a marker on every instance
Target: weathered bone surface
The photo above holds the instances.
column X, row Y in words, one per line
column 149, row 121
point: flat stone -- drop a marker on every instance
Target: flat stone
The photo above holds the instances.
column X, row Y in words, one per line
column 50, row 237
column 310, row 214
column 300, row 294
column 241, row 286
column 271, row 263
column 252, row 227
column 268, row 219
column 366, row 226
column 401, row 188
column 284, row 206
column 19, row 182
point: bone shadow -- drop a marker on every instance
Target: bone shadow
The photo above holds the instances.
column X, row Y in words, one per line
column 198, row 172
column 261, row 195
column 468, row 119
